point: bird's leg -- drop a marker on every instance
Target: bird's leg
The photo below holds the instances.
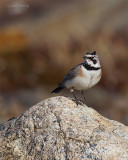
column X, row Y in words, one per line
column 82, row 92
column 74, row 96
column 73, row 92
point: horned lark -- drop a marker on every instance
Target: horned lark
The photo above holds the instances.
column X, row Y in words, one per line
column 82, row 76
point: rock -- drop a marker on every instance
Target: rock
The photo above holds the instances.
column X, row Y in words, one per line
column 58, row 129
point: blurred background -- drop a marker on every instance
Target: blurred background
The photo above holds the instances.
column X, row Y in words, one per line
column 41, row 40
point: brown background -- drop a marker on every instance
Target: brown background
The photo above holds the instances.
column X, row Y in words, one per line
column 41, row 40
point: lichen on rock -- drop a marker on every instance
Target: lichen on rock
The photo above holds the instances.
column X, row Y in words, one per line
column 58, row 129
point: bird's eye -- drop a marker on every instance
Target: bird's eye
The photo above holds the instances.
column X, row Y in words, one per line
column 91, row 58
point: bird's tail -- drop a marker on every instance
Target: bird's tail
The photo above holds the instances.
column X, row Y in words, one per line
column 58, row 89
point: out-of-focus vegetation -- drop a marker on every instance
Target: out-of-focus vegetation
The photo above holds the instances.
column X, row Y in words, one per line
column 42, row 40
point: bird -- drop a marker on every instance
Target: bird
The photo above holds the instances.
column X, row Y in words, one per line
column 82, row 76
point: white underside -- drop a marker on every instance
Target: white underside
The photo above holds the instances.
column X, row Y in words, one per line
column 89, row 79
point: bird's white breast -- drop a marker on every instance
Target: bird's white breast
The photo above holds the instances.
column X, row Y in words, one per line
column 85, row 80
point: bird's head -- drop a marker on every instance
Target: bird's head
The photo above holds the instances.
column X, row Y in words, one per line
column 92, row 59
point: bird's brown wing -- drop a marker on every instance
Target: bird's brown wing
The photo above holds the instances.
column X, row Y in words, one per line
column 71, row 74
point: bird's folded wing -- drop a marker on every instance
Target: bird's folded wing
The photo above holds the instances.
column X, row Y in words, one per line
column 71, row 74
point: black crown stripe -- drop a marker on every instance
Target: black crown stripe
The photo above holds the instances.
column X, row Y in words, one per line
column 89, row 53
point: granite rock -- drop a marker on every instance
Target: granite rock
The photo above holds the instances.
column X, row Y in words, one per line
column 59, row 129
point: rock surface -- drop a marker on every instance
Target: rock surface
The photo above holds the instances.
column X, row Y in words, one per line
column 58, row 129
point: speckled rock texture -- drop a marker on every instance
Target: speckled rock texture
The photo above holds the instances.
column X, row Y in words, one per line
column 58, row 129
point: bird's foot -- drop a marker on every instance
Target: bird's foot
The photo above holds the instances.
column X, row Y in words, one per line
column 85, row 102
column 77, row 101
